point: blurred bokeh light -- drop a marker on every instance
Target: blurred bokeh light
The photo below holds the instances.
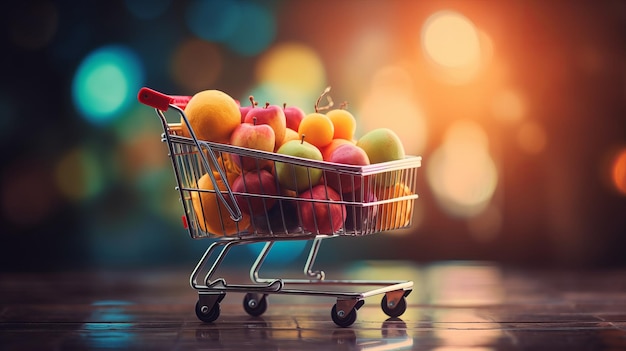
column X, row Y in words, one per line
column 280, row 77
column 619, row 172
column 461, row 172
column 517, row 109
column 104, row 83
column 451, row 40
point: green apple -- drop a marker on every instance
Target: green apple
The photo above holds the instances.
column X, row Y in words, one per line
column 294, row 177
column 382, row 145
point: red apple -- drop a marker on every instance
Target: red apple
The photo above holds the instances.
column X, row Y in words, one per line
column 293, row 115
column 243, row 110
column 328, row 149
column 348, row 154
column 256, row 183
column 321, row 217
column 253, row 136
column 271, row 115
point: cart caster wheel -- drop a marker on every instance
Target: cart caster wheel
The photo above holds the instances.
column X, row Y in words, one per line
column 254, row 305
column 341, row 318
column 393, row 311
column 207, row 314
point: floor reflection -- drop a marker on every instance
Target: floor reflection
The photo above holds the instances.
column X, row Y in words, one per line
column 453, row 306
column 391, row 335
column 109, row 325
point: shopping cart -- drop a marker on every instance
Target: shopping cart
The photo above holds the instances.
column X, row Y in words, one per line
column 381, row 198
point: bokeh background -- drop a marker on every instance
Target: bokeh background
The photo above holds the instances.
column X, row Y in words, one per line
column 518, row 109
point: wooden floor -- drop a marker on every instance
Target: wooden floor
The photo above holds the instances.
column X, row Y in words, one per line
column 453, row 306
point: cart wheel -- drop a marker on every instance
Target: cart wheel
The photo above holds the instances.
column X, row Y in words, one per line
column 395, row 311
column 254, row 305
column 205, row 314
column 341, row 318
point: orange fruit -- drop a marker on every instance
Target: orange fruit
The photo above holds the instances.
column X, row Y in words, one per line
column 317, row 129
column 213, row 216
column 397, row 214
column 213, row 115
column 290, row 134
column 344, row 123
column 224, row 161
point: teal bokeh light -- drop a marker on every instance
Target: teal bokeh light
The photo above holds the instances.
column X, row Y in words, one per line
column 106, row 83
column 213, row 20
column 256, row 30
column 282, row 252
column 245, row 27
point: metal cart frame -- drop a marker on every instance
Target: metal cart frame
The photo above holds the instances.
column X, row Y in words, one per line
column 192, row 158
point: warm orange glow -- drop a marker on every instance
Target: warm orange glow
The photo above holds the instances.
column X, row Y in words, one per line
column 455, row 47
column 461, row 172
column 486, row 47
column 508, row 106
column 450, row 285
column 294, row 69
column 364, row 55
column 532, row 138
column 451, row 40
column 390, row 103
column 618, row 173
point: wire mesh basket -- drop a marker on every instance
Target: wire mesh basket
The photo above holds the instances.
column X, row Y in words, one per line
column 239, row 195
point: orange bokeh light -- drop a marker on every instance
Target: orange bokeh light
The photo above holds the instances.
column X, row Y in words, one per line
column 390, row 104
column 461, row 172
column 455, row 47
column 451, row 40
column 294, row 70
column 618, row 172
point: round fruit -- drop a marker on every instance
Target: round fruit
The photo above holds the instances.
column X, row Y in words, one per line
column 298, row 177
column 213, row 115
column 213, row 216
column 394, row 215
column 328, row 149
column 348, row 154
column 344, row 123
column 317, row 129
column 322, row 217
column 381, row 145
column 257, row 183
column 290, row 134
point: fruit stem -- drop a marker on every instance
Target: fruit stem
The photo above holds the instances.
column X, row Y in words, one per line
column 267, row 104
column 302, row 138
column 254, row 121
column 319, row 108
column 251, row 98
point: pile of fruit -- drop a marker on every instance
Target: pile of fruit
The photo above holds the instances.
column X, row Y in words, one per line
column 326, row 134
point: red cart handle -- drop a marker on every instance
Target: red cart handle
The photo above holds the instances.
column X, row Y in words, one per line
column 161, row 101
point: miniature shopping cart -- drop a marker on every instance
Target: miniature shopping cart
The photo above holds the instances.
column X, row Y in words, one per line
column 373, row 199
